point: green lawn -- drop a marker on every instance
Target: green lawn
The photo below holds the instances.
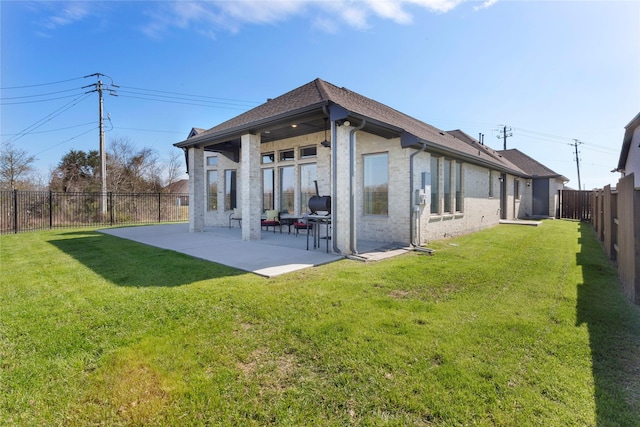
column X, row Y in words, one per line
column 510, row 326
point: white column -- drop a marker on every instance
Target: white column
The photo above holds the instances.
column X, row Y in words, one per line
column 340, row 201
column 197, row 193
column 251, row 180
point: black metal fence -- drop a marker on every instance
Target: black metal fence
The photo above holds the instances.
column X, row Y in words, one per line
column 40, row 210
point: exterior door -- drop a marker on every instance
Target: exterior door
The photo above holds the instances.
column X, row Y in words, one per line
column 503, row 196
column 540, row 197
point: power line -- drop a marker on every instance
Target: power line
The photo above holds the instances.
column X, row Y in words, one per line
column 41, row 84
column 65, row 141
column 48, row 118
column 52, row 130
column 190, row 95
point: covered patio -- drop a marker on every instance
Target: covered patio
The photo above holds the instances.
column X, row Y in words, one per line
column 274, row 254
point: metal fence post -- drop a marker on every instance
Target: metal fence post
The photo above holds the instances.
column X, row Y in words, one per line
column 15, row 211
column 111, row 208
column 50, row 209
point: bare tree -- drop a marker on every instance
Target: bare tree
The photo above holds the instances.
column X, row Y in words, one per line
column 132, row 170
column 15, row 166
column 174, row 168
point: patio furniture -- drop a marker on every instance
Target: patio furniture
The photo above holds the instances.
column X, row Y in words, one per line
column 272, row 220
column 316, row 221
column 302, row 224
column 236, row 215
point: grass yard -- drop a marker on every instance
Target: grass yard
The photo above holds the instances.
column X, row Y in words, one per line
column 511, row 326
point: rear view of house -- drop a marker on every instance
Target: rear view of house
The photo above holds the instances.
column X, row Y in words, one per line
column 389, row 177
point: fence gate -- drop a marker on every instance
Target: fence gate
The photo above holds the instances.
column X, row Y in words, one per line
column 575, row 204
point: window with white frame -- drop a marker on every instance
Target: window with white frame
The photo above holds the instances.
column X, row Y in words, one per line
column 230, row 189
column 376, row 184
column 459, row 196
column 446, row 185
column 212, row 190
column 308, row 176
column 435, row 186
column 287, row 189
column 267, row 189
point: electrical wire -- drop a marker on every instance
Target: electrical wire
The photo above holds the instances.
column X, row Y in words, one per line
column 41, row 94
column 182, row 95
column 52, row 130
column 41, row 84
column 48, row 118
column 65, row 141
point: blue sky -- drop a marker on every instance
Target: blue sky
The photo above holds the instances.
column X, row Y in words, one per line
column 551, row 71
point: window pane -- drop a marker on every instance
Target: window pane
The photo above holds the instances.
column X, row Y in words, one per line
column 306, row 152
column 212, row 190
column 458, row 187
column 287, row 190
column 446, row 185
column 267, row 189
column 212, row 161
column 516, row 189
column 230, row 189
column 376, row 184
column 435, row 183
column 307, row 185
column 287, row 155
column 267, row 158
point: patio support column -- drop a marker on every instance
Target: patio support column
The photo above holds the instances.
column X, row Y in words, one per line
column 251, row 180
column 197, row 194
column 341, row 213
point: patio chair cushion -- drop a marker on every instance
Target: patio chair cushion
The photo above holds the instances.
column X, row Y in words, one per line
column 273, row 216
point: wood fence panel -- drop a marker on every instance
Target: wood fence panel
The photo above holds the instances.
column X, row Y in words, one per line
column 575, row 204
column 628, row 248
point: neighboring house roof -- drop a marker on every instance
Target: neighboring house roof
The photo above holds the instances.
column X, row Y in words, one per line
column 457, row 133
column 531, row 167
column 317, row 99
column 626, row 141
column 181, row 186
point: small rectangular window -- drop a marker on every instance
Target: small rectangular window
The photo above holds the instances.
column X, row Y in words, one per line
column 287, row 155
column 308, row 152
column 212, row 161
column 516, row 189
column 267, row 158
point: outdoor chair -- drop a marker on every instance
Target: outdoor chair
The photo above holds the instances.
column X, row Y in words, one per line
column 236, row 215
column 303, row 224
column 272, row 220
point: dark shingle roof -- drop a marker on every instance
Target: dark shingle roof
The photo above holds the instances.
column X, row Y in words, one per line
column 531, row 167
column 320, row 94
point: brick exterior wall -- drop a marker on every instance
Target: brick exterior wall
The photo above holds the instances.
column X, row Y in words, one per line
column 479, row 210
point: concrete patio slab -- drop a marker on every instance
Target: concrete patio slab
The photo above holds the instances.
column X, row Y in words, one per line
column 275, row 254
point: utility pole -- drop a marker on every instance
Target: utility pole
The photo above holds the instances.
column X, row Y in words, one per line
column 100, row 88
column 505, row 132
column 575, row 145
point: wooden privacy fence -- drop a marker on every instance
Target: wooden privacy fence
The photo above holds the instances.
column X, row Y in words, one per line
column 575, row 204
column 616, row 221
column 40, row 210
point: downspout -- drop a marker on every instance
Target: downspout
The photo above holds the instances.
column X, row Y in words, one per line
column 412, row 195
column 352, row 196
column 334, row 185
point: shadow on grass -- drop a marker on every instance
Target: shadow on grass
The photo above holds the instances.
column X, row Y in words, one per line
column 127, row 263
column 614, row 333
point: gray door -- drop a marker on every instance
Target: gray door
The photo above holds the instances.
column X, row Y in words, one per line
column 541, row 197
